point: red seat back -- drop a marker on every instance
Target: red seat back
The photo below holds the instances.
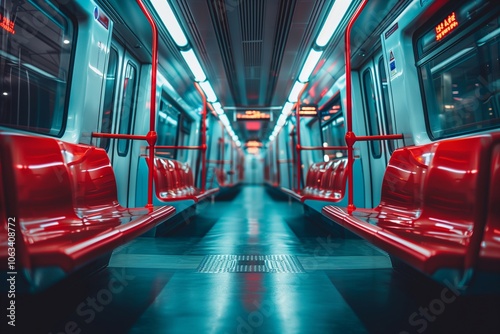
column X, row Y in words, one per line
column 454, row 189
column 93, row 179
column 490, row 245
column 402, row 185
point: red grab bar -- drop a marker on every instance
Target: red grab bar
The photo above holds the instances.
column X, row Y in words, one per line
column 350, row 137
column 298, row 147
column 151, row 137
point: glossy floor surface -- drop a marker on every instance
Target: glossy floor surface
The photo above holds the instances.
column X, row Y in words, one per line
column 338, row 285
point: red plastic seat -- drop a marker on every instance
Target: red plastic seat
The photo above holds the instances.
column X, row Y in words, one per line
column 489, row 256
column 433, row 205
column 174, row 181
column 325, row 181
column 64, row 199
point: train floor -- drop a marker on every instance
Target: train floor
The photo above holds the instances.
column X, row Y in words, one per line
column 255, row 264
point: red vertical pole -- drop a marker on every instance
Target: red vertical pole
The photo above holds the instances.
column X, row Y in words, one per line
column 203, row 138
column 350, row 137
column 298, row 147
column 232, row 163
column 278, row 171
column 223, row 153
column 151, row 136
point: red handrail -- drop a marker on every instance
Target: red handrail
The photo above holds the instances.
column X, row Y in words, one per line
column 350, row 137
column 223, row 144
column 379, row 137
column 278, row 167
column 151, row 137
column 320, row 148
column 298, row 147
column 178, row 147
column 203, row 139
column 218, row 162
column 231, row 165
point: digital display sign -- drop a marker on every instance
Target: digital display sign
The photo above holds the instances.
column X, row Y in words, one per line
column 308, row 110
column 7, row 24
column 444, row 28
column 253, row 143
column 253, row 115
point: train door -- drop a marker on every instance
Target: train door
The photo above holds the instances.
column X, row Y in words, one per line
column 123, row 110
column 373, row 80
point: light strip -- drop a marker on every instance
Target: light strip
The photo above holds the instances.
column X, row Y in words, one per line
column 294, row 94
column 162, row 7
column 194, row 65
column 209, row 91
column 218, row 108
column 333, row 20
column 309, row 65
column 224, row 119
column 282, row 120
column 287, row 108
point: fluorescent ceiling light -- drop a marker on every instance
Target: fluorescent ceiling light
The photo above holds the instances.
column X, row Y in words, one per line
column 209, row 91
column 333, row 20
column 218, row 108
column 238, row 143
column 271, row 138
column 224, row 119
column 287, row 108
column 282, row 120
column 235, row 138
column 166, row 14
column 294, row 94
column 309, row 65
column 194, row 65
column 217, row 105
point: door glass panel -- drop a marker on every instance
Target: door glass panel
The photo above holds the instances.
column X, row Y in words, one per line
column 109, row 97
column 128, row 103
column 36, row 57
column 386, row 105
column 371, row 112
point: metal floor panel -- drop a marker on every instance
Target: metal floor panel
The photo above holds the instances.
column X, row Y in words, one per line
column 250, row 264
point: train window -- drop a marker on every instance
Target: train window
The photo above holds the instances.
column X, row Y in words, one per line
column 333, row 129
column 167, row 127
column 333, row 135
column 35, row 66
column 386, row 105
column 128, row 103
column 371, row 107
column 109, row 97
column 183, row 133
column 462, row 82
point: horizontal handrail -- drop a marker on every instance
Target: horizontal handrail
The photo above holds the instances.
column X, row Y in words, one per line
column 380, row 137
column 120, row 136
column 219, row 161
column 319, row 148
column 150, row 138
column 173, row 147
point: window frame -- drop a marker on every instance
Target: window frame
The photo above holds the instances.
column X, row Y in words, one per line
column 133, row 107
column 487, row 13
column 73, row 22
column 369, row 115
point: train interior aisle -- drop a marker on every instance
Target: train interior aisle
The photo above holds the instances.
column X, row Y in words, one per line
column 255, row 263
